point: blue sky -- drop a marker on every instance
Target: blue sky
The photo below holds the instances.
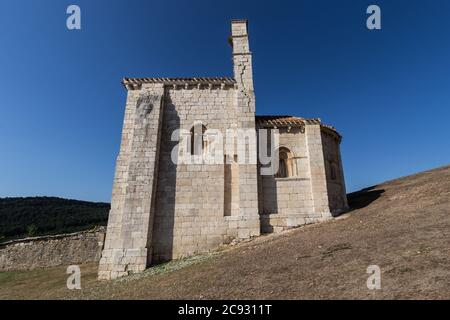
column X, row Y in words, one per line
column 62, row 104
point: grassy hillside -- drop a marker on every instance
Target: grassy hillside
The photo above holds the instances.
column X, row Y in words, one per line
column 403, row 226
column 22, row 217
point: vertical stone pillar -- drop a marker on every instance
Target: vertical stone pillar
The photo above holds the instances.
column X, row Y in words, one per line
column 342, row 178
column 130, row 225
column 248, row 218
column 318, row 177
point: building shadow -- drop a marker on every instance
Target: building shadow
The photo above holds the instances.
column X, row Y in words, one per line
column 363, row 198
column 269, row 204
column 164, row 218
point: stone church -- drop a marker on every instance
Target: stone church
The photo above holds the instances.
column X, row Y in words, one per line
column 162, row 209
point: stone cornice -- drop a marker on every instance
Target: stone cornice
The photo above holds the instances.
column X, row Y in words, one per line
column 136, row 83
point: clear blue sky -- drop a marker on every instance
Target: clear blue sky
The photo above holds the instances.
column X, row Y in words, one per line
column 62, row 104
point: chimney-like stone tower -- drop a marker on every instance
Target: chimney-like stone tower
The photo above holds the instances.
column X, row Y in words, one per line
column 248, row 217
column 242, row 59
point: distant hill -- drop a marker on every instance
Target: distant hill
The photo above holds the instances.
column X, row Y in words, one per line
column 34, row 216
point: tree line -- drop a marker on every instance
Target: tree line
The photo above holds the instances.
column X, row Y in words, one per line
column 36, row 216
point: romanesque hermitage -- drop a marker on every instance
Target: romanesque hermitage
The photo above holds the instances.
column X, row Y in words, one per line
column 164, row 209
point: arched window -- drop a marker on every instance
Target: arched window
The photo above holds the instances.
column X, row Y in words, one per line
column 198, row 139
column 286, row 166
column 282, row 167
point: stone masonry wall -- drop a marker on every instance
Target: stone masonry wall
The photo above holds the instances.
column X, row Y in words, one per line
column 163, row 209
column 287, row 202
column 129, row 231
column 337, row 196
column 316, row 189
column 200, row 206
column 292, row 194
column 189, row 210
column 317, row 171
column 51, row 251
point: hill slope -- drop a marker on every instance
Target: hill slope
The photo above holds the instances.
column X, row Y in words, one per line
column 403, row 226
column 32, row 216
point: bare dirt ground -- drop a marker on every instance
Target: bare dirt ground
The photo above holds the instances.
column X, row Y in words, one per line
column 403, row 226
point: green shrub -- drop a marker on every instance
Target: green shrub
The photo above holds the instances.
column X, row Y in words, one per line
column 31, row 230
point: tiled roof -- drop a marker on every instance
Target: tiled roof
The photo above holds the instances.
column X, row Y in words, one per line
column 289, row 121
column 132, row 82
column 284, row 121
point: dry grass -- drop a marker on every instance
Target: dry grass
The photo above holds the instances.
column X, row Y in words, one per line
column 402, row 225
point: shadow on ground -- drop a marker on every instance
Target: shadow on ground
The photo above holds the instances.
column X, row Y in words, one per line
column 363, row 198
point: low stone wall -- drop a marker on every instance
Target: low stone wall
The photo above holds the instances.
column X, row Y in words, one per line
column 275, row 222
column 50, row 251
